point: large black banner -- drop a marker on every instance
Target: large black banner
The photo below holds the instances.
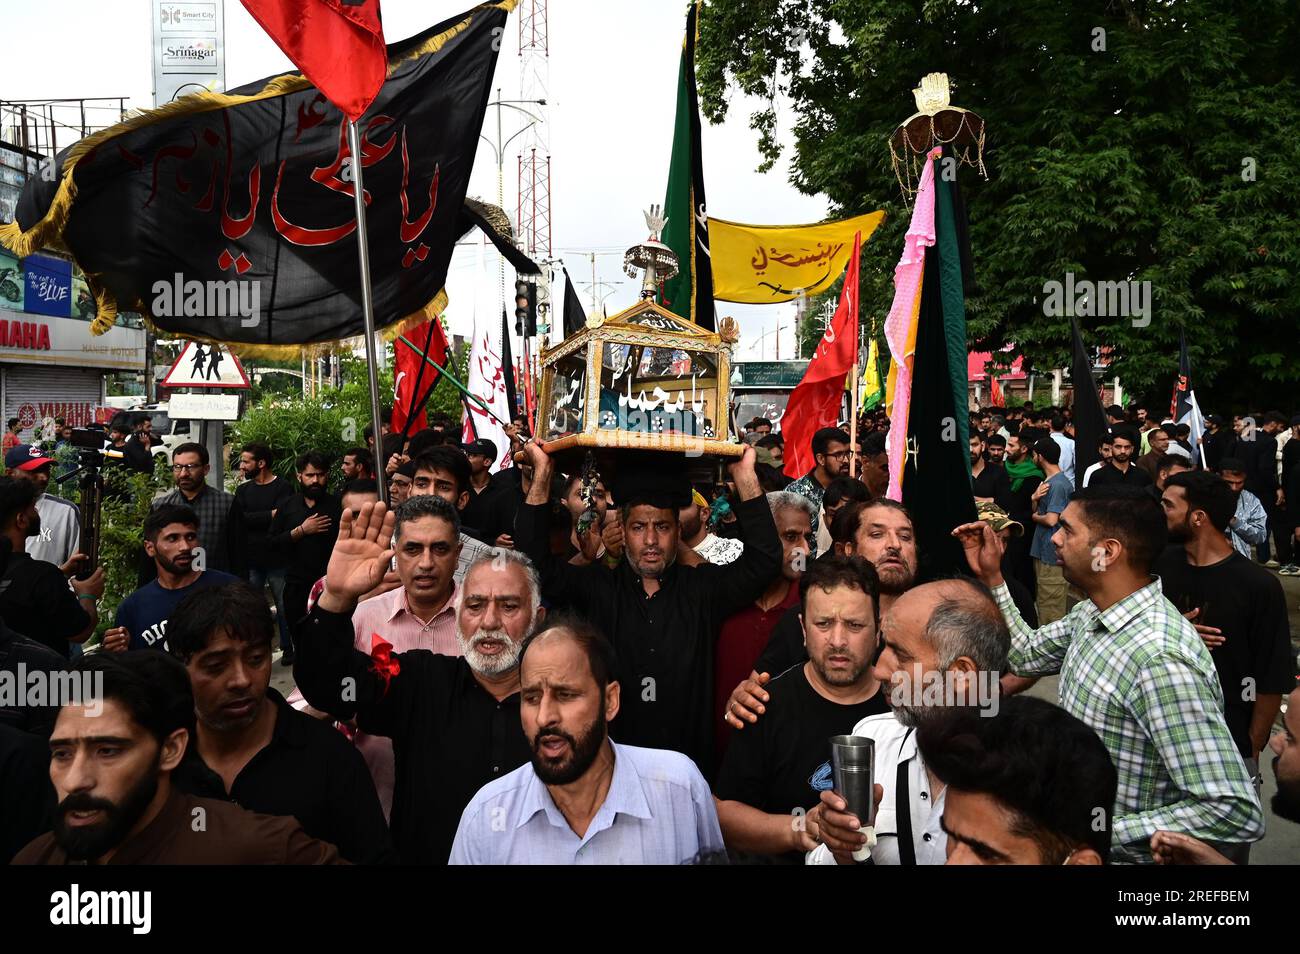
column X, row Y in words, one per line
column 230, row 216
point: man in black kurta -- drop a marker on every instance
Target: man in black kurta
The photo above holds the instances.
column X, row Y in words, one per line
column 663, row 620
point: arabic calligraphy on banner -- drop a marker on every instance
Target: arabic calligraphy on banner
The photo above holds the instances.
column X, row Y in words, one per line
column 762, row 264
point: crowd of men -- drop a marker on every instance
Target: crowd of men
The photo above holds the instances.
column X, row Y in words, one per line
column 519, row 665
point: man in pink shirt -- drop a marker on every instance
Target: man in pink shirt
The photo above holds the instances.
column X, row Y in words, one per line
column 419, row 614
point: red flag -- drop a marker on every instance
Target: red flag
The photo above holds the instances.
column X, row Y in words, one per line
column 815, row 403
column 338, row 45
column 995, row 392
column 406, row 369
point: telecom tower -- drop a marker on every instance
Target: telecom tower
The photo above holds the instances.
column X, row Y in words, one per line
column 534, row 211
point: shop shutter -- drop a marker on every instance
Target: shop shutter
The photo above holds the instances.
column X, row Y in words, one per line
column 34, row 393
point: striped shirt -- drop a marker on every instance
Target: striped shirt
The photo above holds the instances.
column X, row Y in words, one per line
column 1140, row 676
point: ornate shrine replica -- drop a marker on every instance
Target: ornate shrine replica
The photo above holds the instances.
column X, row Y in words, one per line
column 643, row 379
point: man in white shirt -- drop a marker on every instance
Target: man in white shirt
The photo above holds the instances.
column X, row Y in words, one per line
column 60, row 520
column 583, row 799
column 1067, row 446
column 944, row 640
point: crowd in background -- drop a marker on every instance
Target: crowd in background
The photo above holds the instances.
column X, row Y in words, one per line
column 517, row 664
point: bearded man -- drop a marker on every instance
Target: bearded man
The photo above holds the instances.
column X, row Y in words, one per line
column 453, row 720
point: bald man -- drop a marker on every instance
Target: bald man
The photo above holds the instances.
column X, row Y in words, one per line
column 945, row 643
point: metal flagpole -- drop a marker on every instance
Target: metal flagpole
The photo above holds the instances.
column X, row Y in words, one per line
column 853, row 412
column 853, row 393
column 367, row 304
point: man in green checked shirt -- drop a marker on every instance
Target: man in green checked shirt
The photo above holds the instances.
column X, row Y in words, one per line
column 1134, row 670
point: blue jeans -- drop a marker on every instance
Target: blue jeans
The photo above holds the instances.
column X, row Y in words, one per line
column 259, row 577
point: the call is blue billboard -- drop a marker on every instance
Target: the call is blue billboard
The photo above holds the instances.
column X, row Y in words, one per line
column 47, row 286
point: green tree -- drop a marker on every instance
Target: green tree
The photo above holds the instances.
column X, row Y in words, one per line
column 1125, row 141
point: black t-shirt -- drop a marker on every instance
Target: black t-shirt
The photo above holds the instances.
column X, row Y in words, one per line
column 783, row 761
column 993, row 482
column 1246, row 602
column 257, row 501
column 307, row 770
column 36, row 601
column 1108, row 473
column 1020, row 503
column 492, row 512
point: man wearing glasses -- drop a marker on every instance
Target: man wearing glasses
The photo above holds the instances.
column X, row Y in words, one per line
column 831, row 451
column 220, row 517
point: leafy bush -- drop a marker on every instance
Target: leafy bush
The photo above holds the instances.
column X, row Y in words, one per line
column 331, row 423
column 294, row 425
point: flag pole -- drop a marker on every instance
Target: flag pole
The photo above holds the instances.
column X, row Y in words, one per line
column 853, row 395
column 367, row 303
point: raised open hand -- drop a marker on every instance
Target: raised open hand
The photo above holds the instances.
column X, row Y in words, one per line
column 360, row 558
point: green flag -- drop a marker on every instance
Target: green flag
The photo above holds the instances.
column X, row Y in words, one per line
column 690, row 293
column 937, row 466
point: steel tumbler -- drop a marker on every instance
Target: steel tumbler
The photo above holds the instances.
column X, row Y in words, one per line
column 852, row 762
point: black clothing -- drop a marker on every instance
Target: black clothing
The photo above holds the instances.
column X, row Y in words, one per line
column 993, row 482
column 664, row 643
column 1291, row 484
column 305, row 558
column 257, row 501
column 138, row 456
column 508, row 496
column 1021, row 499
column 482, row 517
column 307, row 770
column 783, row 761
column 27, row 798
column 1021, row 595
column 20, row 656
column 1290, row 457
column 450, row 735
column 785, row 646
column 35, row 600
column 1019, row 507
column 1260, row 456
column 1217, row 446
column 1246, row 602
column 1108, row 473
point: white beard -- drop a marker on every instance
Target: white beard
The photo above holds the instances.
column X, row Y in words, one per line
column 486, row 665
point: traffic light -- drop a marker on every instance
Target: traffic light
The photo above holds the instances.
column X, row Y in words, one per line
column 525, row 308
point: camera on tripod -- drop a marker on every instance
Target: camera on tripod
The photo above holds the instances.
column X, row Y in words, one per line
column 91, row 451
column 92, row 455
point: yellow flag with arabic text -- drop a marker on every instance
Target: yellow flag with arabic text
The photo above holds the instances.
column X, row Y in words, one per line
column 763, row 264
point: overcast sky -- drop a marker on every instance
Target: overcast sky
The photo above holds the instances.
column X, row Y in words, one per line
column 612, row 88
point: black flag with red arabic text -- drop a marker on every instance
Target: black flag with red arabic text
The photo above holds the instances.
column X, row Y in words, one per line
column 236, row 209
